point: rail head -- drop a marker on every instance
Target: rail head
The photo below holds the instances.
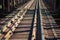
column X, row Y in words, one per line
column 40, row 32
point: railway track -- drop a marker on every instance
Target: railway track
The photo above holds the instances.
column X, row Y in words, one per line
column 9, row 22
column 42, row 25
column 50, row 26
column 24, row 28
column 7, row 17
column 50, row 23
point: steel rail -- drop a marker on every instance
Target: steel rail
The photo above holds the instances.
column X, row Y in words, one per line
column 40, row 27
